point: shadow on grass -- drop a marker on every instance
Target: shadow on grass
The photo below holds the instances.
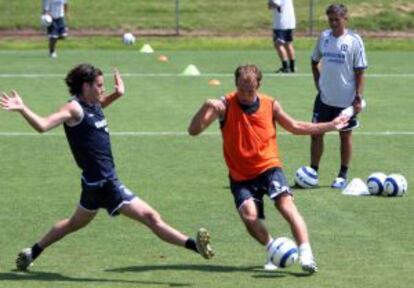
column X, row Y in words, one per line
column 52, row 277
column 316, row 188
column 210, row 268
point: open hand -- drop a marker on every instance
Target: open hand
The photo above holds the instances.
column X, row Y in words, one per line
column 14, row 103
column 119, row 83
column 341, row 121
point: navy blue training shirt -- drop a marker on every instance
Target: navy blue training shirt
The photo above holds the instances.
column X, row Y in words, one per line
column 90, row 143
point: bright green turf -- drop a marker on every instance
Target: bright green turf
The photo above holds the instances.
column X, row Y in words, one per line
column 358, row 241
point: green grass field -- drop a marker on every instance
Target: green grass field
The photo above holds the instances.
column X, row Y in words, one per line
column 358, row 241
column 213, row 16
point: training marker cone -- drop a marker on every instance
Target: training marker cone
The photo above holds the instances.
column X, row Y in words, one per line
column 191, row 70
column 146, row 48
column 356, row 187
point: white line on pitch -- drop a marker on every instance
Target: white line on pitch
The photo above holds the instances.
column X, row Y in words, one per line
column 178, row 133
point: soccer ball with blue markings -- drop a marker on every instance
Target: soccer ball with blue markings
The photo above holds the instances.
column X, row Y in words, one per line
column 306, row 177
column 283, row 252
column 395, row 185
column 375, row 183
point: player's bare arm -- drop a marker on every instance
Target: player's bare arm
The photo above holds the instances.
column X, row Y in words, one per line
column 306, row 128
column 41, row 124
column 119, row 90
column 359, row 86
column 273, row 5
column 316, row 73
column 209, row 111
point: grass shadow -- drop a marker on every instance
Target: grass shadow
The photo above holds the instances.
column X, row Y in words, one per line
column 52, row 277
column 183, row 267
column 210, row 268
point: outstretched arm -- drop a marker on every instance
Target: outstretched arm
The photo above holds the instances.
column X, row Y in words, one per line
column 66, row 9
column 209, row 111
column 41, row 124
column 118, row 92
column 306, row 128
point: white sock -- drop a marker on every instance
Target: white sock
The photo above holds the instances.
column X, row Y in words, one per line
column 269, row 243
column 305, row 250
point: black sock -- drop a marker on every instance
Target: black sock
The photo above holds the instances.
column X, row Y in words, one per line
column 36, row 251
column 285, row 65
column 314, row 167
column 191, row 245
column 292, row 65
column 343, row 171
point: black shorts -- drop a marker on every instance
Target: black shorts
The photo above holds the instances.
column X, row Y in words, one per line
column 272, row 183
column 282, row 36
column 326, row 113
column 110, row 194
column 57, row 29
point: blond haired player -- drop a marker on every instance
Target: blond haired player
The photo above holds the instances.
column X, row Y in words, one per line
column 248, row 121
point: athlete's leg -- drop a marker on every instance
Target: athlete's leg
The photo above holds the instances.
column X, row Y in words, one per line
column 52, row 45
column 317, row 145
column 281, row 51
column 141, row 211
column 79, row 219
column 249, row 215
column 290, row 51
column 288, row 210
column 284, row 203
column 346, row 147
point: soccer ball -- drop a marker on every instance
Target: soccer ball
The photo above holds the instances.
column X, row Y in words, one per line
column 283, row 252
column 46, row 20
column 395, row 185
column 306, row 177
column 375, row 183
column 128, row 39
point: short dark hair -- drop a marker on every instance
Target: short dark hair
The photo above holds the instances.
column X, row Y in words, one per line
column 83, row 73
column 339, row 9
column 247, row 69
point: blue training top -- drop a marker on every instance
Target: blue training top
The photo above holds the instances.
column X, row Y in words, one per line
column 90, row 143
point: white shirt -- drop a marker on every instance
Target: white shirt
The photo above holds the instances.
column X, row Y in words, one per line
column 339, row 57
column 286, row 18
column 55, row 8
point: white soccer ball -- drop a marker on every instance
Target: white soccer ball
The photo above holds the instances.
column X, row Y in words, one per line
column 283, row 252
column 395, row 185
column 375, row 183
column 46, row 20
column 306, row 177
column 128, row 39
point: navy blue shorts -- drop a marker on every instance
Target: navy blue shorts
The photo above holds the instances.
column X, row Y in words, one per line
column 272, row 182
column 326, row 113
column 57, row 29
column 282, row 36
column 110, row 194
